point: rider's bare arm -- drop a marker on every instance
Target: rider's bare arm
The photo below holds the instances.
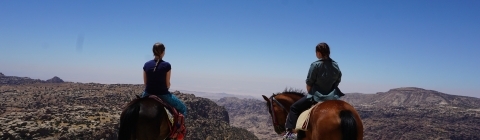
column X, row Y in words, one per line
column 144, row 78
column 168, row 78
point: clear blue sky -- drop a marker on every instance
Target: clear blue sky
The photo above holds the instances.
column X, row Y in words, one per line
column 249, row 47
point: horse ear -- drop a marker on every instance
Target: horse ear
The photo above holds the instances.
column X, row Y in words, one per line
column 265, row 97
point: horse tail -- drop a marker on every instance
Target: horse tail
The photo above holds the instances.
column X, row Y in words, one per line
column 128, row 121
column 348, row 125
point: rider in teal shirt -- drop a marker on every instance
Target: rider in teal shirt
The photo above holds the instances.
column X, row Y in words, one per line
column 322, row 82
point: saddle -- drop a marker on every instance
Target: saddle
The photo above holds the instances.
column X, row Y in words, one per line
column 302, row 121
column 176, row 119
column 318, row 98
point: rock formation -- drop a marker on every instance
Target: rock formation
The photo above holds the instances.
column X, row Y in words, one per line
column 55, row 79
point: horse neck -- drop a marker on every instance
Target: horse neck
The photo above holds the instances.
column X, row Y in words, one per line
column 287, row 100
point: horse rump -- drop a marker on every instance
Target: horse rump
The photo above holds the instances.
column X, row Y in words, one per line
column 348, row 125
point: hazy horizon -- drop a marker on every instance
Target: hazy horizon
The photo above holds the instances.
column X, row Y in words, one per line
column 256, row 96
column 247, row 47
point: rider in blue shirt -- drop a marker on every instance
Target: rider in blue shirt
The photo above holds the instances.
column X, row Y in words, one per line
column 156, row 77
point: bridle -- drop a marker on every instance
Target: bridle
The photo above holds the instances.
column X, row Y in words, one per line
column 274, row 118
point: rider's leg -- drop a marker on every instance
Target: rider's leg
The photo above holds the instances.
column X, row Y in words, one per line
column 295, row 110
column 175, row 102
column 144, row 94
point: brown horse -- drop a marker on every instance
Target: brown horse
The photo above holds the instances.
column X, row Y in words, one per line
column 144, row 119
column 329, row 120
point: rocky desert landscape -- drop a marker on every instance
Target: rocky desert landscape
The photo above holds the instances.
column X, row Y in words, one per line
column 54, row 109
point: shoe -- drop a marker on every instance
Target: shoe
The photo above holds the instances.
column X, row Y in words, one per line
column 290, row 136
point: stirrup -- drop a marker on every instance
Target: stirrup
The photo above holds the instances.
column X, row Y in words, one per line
column 289, row 136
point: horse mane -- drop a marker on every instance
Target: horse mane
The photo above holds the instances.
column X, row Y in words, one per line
column 292, row 91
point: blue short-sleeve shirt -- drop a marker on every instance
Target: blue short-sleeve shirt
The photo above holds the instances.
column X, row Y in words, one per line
column 157, row 81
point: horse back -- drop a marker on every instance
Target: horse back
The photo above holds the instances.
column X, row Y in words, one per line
column 149, row 108
column 326, row 120
column 152, row 120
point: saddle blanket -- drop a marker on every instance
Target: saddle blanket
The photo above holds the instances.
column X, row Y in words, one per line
column 302, row 121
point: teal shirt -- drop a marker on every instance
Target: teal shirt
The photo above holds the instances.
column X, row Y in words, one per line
column 323, row 78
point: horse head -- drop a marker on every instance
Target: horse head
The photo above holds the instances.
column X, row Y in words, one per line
column 279, row 105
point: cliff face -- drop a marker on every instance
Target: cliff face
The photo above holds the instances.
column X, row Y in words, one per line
column 207, row 120
column 250, row 114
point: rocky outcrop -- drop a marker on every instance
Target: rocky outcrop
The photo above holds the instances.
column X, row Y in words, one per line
column 250, row 114
column 207, row 120
column 55, row 79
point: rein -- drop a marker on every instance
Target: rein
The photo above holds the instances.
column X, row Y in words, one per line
column 274, row 119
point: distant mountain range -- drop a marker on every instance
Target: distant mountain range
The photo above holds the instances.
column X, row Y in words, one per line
column 216, row 96
column 14, row 80
column 412, row 97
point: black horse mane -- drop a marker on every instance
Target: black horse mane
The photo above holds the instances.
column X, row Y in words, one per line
column 293, row 91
